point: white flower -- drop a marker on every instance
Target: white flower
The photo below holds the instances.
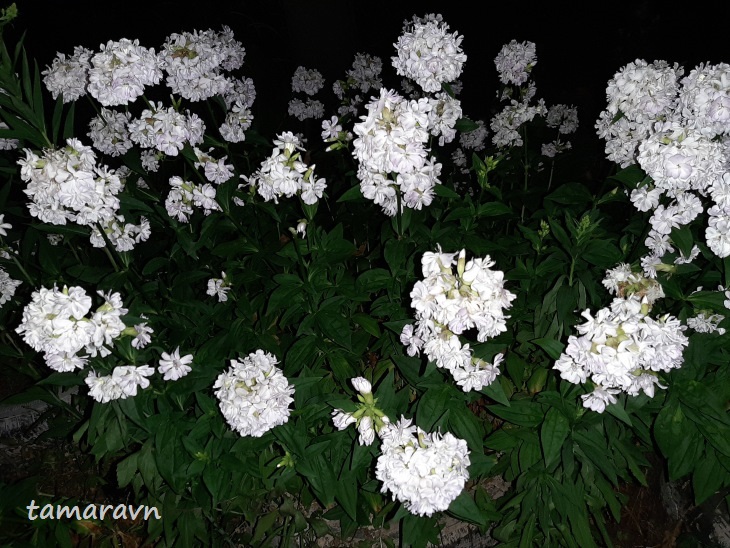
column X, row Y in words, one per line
column 342, row 419
column 68, row 77
column 4, row 226
column 429, row 54
column 449, row 303
column 705, row 322
column 425, row 472
column 220, row 287
column 366, row 430
column 120, row 72
column 307, row 81
column 174, row 367
column 599, row 399
column 302, row 228
column 142, row 338
column 7, row 285
column 515, row 61
column 121, row 384
column 254, row 394
column 362, row 385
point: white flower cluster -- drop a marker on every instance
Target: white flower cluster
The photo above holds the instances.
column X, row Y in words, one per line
column 507, row 123
column 565, row 120
column 184, row 195
column 450, row 303
column 68, row 77
column 285, row 174
column 303, row 110
column 308, row 81
column 429, row 54
column 424, row 471
column 365, row 72
column 362, row 77
column 677, row 131
column 194, row 62
column 706, row 322
column 445, row 111
column 238, row 120
column 66, row 185
column 515, row 61
column 475, row 139
column 121, row 384
column 166, row 130
column 391, row 142
column 7, row 144
column 120, row 72
column 254, row 395
column 55, row 322
column 7, row 286
column 122, row 235
column 638, row 95
column 216, row 171
column 621, row 348
column 109, row 133
column 368, row 419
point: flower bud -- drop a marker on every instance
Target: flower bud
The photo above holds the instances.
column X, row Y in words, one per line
column 362, row 385
column 342, row 419
column 367, row 433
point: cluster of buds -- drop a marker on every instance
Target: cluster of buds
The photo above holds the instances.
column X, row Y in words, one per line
column 368, row 419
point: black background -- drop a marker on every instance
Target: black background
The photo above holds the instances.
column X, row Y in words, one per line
column 579, row 45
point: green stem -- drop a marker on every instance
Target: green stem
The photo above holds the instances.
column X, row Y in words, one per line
column 572, row 268
column 22, row 270
column 111, row 258
column 524, row 162
column 398, row 216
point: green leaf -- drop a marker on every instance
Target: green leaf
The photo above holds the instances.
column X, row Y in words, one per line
column 465, row 125
column 367, row 323
column 496, row 392
column 353, row 193
column 126, row 470
column 465, row 425
column 571, row 194
column 493, row 209
column 682, row 237
column 601, row 253
column 521, row 412
column 300, row 354
column 618, row 411
column 464, row 508
column 554, row 431
column 708, row 477
column 552, row 347
column 445, row 192
column 709, row 299
column 375, row 279
column 347, row 494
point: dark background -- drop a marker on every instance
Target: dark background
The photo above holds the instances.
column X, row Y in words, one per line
column 580, row 45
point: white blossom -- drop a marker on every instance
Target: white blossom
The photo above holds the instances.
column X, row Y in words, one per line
column 254, row 395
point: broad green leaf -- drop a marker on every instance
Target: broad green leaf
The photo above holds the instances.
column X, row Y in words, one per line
column 496, row 392
column 553, row 433
column 552, row 347
column 521, row 412
column 464, row 508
